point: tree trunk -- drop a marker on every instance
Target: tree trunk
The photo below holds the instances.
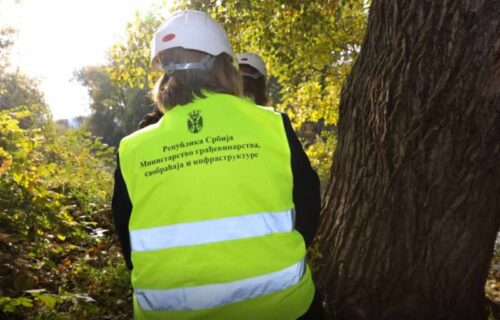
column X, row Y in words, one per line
column 413, row 207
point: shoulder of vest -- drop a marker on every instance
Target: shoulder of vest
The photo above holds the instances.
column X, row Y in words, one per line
column 268, row 108
column 137, row 135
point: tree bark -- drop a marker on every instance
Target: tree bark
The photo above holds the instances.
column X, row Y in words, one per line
column 413, row 206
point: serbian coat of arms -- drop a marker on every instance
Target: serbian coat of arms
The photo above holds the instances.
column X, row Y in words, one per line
column 195, row 121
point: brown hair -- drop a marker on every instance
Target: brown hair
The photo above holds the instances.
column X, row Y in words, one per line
column 183, row 86
column 254, row 88
column 151, row 117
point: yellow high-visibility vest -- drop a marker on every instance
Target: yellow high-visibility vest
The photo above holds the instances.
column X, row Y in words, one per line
column 212, row 223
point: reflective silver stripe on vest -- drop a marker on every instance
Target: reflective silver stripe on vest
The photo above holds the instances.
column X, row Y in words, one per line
column 215, row 230
column 209, row 296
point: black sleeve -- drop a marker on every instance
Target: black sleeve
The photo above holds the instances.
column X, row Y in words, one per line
column 306, row 188
column 122, row 208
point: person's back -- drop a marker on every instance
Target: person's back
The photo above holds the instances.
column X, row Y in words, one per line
column 206, row 200
column 213, row 206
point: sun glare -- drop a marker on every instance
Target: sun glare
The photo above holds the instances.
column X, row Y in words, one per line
column 57, row 37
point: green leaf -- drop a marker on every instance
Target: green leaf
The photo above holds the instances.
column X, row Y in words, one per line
column 48, row 300
column 25, row 302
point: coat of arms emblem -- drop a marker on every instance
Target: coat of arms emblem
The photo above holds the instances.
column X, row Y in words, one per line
column 195, row 121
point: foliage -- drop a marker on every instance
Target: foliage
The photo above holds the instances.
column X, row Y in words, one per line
column 107, row 104
column 321, row 154
column 54, row 200
column 17, row 89
column 492, row 286
column 119, row 91
column 6, row 42
column 130, row 60
column 56, row 260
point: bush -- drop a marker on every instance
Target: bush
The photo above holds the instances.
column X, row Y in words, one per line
column 58, row 259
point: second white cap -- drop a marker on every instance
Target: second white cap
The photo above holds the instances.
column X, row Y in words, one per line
column 253, row 60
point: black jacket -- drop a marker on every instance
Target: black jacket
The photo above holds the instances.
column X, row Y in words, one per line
column 306, row 196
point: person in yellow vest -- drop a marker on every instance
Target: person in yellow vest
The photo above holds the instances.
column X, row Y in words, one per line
column 254, row 73
column 214, row 204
